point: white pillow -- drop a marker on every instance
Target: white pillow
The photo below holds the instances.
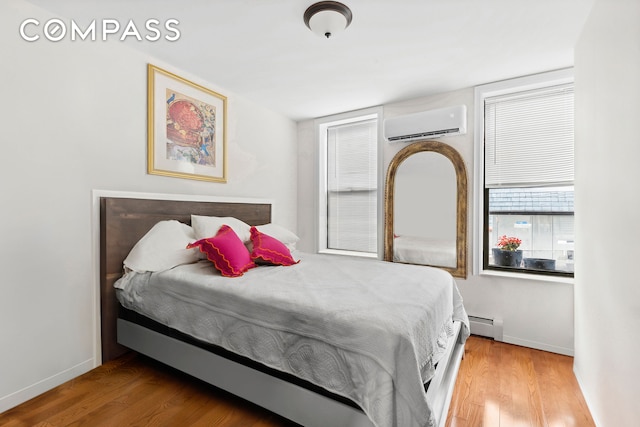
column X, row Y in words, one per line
column 276, row 231
column 163, row 247
column 208, row 226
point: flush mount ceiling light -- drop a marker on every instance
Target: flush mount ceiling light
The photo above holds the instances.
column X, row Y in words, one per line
column 327, row 18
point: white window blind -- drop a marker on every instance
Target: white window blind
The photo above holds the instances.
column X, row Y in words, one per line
column 352, row 186
column 529, row 138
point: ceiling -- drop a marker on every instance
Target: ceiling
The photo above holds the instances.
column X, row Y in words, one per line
column 393, row 50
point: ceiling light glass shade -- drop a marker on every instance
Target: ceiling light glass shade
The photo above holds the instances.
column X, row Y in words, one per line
column 327, row 18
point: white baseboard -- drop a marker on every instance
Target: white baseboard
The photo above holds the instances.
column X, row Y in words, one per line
column 21, row 396
column 586, row 396
column 538, row 345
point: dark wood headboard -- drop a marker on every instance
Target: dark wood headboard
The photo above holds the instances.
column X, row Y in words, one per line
column 123, row 221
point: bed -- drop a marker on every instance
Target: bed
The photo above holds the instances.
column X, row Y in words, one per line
column 304, row 379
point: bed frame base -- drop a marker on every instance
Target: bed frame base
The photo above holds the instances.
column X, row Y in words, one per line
column 291, row 401
column 288, row 400
column 441, row 387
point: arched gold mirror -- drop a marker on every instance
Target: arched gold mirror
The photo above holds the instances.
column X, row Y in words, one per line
column 426, row 207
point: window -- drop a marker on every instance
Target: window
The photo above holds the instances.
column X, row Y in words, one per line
column 349, row 200
column 528, row 167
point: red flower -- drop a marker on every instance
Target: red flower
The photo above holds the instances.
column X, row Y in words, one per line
column 509, row 243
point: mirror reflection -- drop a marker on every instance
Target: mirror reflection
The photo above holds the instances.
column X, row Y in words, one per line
column 426, row 207
column 424, row 224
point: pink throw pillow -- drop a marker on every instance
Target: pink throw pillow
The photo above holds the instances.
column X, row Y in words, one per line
column 269, row 250
column 227, row 252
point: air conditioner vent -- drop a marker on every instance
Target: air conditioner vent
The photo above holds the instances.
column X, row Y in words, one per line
column 426, row 134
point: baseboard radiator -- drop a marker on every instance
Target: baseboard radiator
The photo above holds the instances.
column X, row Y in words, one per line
column 484, row 327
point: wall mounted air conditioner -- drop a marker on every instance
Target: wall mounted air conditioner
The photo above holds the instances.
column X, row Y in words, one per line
column 427, row 124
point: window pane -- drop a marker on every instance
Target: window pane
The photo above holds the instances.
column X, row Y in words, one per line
column 542, row 218
column 352, row 186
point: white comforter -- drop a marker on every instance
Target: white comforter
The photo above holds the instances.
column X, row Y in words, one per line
column 368, row 330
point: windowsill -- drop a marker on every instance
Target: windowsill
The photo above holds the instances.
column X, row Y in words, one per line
column 348, row 253
column 528, row 276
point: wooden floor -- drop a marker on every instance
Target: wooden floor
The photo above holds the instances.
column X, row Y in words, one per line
column 499, row 385
column 504, row 385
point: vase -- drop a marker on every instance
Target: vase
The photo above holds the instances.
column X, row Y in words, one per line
column 507, row 258
column 540, row 263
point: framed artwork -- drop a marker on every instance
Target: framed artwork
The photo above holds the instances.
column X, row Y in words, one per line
column 186, row 135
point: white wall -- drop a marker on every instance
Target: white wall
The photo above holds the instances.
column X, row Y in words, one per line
column 535, row 313
column 73, row 119
column 607, row 73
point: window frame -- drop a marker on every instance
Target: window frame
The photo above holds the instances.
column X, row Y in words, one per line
column 320, row 127
column 480, row 195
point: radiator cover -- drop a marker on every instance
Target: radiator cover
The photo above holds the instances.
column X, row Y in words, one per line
column 486, row 327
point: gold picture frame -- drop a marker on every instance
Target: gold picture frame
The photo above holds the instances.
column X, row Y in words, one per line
column 186, row 128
